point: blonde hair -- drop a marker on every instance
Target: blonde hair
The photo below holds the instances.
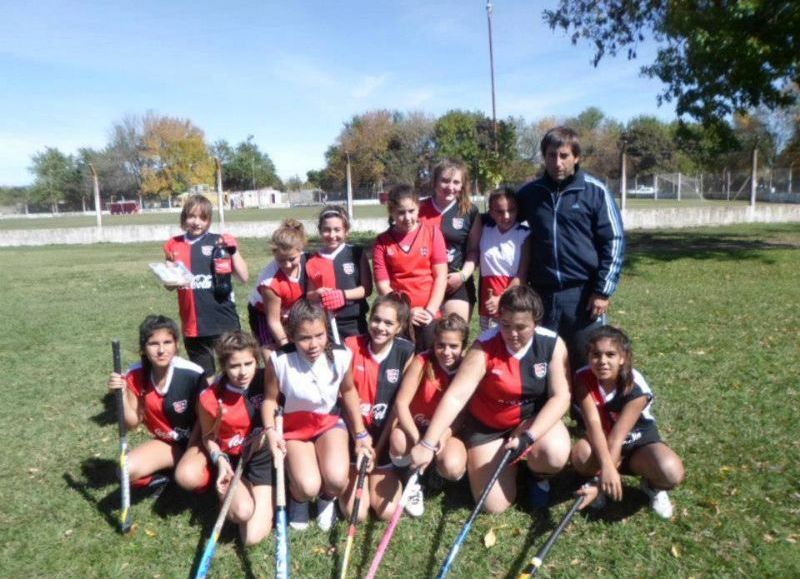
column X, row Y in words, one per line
column 465, row 195
column 290, row 235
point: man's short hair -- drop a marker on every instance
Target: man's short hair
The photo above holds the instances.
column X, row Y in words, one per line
column 558, row 137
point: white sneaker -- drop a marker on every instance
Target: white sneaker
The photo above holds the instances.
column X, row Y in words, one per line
column 416, row 502
column 326, row 513
column 659, row 500
column 298, row 515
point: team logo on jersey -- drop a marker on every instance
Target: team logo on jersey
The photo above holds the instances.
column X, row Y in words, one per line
column 458, row 223
column 424, row 252
column 207, row 249
column 237, row 440
column 390, row 251
column 540, row 369
column 379, row 412
column 393, row 375
column 451, row 255
column 349, row 268
column 180, row 406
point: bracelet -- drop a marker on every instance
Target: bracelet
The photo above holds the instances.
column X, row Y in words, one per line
column 361, row 435
column 268, row 428
column 433, row 315
column 425, row 444
column 216, row 455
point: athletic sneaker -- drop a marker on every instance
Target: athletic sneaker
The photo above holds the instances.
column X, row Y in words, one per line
column 538, row 493
column 326, row 513
column 298, row 515
column 415, row 506
column 659, row 500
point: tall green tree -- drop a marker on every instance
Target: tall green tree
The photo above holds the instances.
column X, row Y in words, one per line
column 716, row 58
column 57, row 178
column 651, row 148
column 245, row 166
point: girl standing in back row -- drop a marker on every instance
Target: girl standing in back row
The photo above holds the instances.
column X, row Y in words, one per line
column 205, row 313
column 411, row 258
column 450, row 208
column 339, row 276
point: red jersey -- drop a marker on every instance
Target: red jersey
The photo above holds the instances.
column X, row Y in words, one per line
column 407, row 262
column 339, row 270
column 430, row 390
column 201, row 313
column 242, row 411
column 169, row 415
column 455, row 227
column 288, row 289
column 377, row 378
column 514, row 387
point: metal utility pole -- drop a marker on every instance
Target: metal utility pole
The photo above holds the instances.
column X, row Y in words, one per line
column 97, row 209
column 491, row 68
column 349, row 190
column 623, row 170
column 754, row 179
column 220, row 194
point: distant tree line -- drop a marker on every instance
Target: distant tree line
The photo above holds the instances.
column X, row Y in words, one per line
column 157, row 157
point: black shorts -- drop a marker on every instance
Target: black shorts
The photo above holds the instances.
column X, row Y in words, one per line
column 351, row 327
column 466, row 292
column 475, row 433
column 201, row 351
column 259, row 469
column 636, row 440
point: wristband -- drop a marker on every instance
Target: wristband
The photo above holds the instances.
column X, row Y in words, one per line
column 361, row 435
column 431, row 313
column 268, row 428
column 434, row 448
column 216, row 455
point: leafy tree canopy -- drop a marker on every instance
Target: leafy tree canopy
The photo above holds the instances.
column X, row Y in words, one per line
column 716, row 58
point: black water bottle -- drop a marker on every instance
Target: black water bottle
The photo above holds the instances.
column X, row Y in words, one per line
column 222, row 269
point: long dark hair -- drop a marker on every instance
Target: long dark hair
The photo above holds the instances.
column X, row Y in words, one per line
column 452, row 322
column 150, row 326
column 623, row 343
column 235, row 341
column 402, row 307
column 304, row 311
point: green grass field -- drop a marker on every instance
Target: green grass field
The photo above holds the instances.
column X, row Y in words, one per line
column 716, row 328
column 363, row 211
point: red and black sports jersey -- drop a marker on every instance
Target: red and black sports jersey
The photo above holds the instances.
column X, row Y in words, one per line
column 242, row 411
column 377, row 380
column 455, row 227
column 168, row 415
column 430, row 390
column 340, row 270
column 288, row 289
column 409, row 271
column 514, row 387
column 201, row 313
column 610, row 404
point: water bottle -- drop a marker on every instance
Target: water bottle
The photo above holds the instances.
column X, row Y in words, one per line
column 222, row 268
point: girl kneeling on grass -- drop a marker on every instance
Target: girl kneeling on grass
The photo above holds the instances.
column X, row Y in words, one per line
column 160, row 391
column 514, row 380
column 424, row 384
column 379, row 360
column 228, row 412
column 313, row 377
column 621, row 432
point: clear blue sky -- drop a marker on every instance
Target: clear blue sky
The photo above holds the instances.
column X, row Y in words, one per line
column 289, row 73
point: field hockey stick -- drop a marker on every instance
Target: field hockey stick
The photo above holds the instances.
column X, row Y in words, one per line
column 124, row 476
column 387, row 536
column 211, row 545
column 537, row 561
column 451, row 556
column 281, row 523
column 351, row 533
column 334, row 328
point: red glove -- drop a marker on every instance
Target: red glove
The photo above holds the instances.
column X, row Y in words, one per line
column 333, row 299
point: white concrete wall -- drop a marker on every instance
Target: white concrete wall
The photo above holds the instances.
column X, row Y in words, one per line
column 667, row 218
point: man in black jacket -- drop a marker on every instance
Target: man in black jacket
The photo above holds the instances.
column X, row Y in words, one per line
column 577, row 242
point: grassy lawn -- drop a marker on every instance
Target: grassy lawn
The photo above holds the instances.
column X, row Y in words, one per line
column 361, row 211
column 716, row 328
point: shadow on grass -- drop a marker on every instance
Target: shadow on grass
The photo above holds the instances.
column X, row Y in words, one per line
column 717, row 245
column 543, row 522
column 364, row 558
column 334, row 536
column 108, row 415
column 205, row 513
column 105, row 506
